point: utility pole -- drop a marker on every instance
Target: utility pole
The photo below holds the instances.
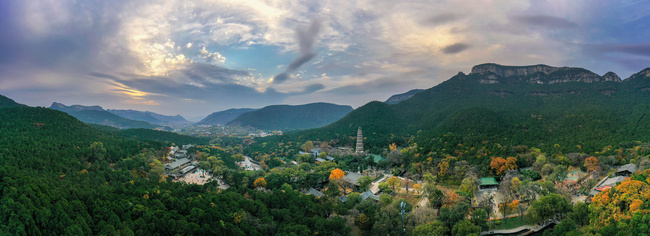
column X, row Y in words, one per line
column 403, row 205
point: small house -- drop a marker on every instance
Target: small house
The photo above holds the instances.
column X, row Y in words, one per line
column 625, row 170
column 351, row 179
column 606, row 183
column 488, row 183
column 178, row 164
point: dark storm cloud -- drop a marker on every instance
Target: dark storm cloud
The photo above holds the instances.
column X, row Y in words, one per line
column 298, row 62
column 309, row 89
column 208, row 83
column 10, row 36
column 207, row 73
column 306, row 38
column 281, row 77
column 544, row 21
column 455, row 48
column 632, row 49
column 205, row 92
column 102, row 75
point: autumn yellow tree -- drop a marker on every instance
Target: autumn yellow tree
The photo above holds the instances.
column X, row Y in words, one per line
column 443, row 166
column 393, row 182
column 515, row 183
column 260, row 183
column 336, row 174
column 417, row 187
column 591, row 164
column 620, row 205
column 392, row 147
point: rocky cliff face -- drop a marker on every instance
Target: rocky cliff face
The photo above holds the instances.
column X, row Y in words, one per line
column 539, row 74
column 63, row 107
column 508, row 71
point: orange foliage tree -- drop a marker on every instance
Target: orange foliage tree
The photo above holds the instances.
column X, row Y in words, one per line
column 591, row 164
column 500, row 165
column 336, row 174
column 621, row 203
column 451, row 199
column 260, row 182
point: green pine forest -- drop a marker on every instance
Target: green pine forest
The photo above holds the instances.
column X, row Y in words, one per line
column 60, row 176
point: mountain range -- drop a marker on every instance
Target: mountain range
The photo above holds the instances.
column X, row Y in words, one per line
column 151, row 117
column 97, row 115
column 536, row 105
column 287, row 117
column 224, row 117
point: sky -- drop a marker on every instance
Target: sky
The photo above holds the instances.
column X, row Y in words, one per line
column 195, row 57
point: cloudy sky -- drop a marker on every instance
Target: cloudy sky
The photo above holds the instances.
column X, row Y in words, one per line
column 194, row 57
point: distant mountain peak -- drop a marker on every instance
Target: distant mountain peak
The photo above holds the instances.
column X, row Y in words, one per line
column 611, row 76
column 292, row 117
column 539, row 74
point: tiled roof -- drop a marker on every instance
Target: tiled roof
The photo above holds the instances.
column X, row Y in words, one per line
column 314, row 192
column 489, row 181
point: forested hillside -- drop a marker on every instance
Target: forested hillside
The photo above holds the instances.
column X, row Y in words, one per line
column 223, row 117
column 7, row 102
column 571, row 107
column 60, row 176
column 163, row 136
column 286, row 117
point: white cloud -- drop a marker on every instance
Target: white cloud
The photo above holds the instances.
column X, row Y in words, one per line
column 211, row 57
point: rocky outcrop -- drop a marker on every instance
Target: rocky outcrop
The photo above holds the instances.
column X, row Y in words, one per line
column 538, row 74
column 404, row 96
column 643, row 74
column 62, row 107
column 611, row 76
